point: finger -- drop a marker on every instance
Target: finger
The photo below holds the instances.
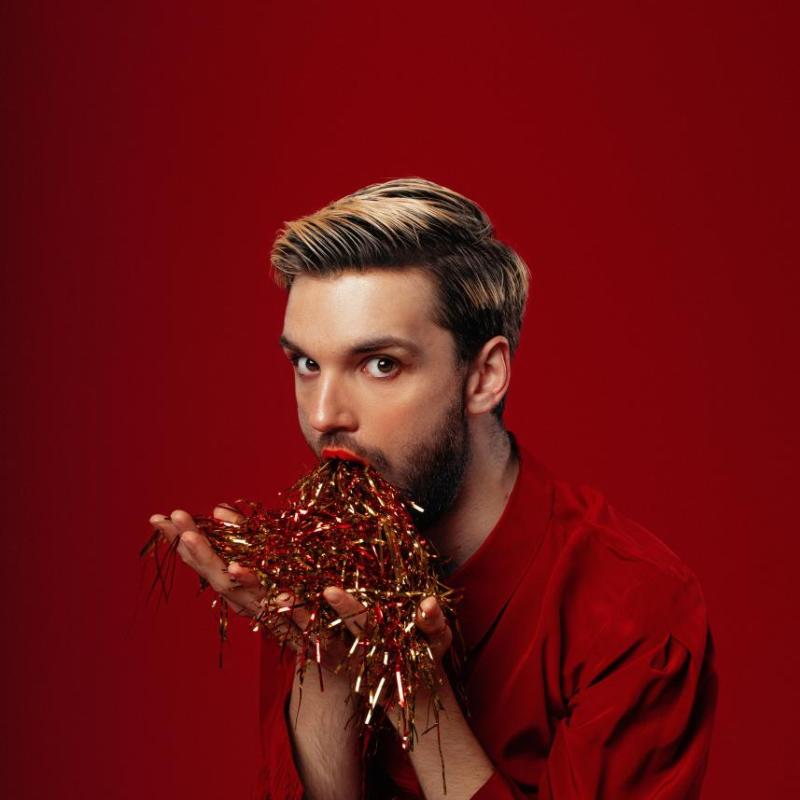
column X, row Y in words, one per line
column 242, row 575
column 227, row 514
column 204, row 557
column 196, row 552
column 189, row 547
column 353, row 613
column 432, row 623
column 165, row 525
column 430, row 618
column 183, row 521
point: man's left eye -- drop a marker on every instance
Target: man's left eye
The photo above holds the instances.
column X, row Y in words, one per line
column 381, row 367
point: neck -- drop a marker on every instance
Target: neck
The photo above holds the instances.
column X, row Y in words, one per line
column 486, row 487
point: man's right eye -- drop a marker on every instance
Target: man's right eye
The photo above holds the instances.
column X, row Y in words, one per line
column 305, row 365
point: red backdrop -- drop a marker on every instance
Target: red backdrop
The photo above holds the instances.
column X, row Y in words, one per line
column 637, row 155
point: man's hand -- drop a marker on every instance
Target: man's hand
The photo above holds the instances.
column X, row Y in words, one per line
column 334, row 650
column 239, row 586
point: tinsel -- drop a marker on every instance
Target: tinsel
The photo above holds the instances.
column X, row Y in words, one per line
column 342, row 525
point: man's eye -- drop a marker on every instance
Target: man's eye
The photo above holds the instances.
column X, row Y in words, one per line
column 305, row 365
column 381, row 367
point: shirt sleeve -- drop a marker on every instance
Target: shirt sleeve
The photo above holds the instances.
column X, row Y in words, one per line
column 639, row 724
column 278, row 778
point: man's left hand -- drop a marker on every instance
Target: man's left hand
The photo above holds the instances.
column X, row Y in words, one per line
column 430, row 619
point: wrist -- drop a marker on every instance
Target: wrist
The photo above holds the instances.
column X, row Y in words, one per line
column 326, row 703
column 423, row 699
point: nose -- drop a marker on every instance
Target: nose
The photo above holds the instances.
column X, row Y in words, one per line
column 330, row 408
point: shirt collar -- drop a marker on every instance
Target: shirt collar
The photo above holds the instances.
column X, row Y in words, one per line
column 492, row 573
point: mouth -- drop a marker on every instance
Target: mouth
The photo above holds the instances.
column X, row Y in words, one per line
column 344, row 454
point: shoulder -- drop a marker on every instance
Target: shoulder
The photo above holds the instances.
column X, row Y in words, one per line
column 584, row 520
column 610, row 572
column 617, row 594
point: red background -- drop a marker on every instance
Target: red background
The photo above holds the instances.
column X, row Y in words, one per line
column 638, row 157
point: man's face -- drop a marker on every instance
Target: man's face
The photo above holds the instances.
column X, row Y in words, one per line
column 376, row 375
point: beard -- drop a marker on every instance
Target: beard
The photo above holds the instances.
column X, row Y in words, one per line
column 436, row 466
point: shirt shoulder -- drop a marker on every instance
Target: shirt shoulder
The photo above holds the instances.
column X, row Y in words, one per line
column 583, row 519
column 615, row 583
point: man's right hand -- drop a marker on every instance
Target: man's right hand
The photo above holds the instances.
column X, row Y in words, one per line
column 238, row 585
column 241, row 589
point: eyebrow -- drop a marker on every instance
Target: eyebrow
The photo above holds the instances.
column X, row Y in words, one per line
column 364, row 346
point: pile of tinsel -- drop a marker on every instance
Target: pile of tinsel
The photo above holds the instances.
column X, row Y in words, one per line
column 342, row 525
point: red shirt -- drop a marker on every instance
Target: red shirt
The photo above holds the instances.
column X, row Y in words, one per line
column 590, row 662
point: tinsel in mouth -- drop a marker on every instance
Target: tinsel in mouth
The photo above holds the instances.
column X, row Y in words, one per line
column 341, row 525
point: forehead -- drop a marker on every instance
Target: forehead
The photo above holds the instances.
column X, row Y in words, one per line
column 331, row 310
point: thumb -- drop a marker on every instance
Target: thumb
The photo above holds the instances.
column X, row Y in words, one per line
column 242, row 575
column 227, row 514
column 432, row 623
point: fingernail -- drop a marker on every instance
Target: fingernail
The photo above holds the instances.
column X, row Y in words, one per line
column 332, row 595
column 428, row 607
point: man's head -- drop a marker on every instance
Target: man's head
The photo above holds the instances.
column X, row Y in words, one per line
column 402, row 318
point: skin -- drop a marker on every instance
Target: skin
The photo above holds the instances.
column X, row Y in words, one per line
column 387, row 403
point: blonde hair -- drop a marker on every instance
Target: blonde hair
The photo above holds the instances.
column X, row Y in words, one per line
column 412, row 222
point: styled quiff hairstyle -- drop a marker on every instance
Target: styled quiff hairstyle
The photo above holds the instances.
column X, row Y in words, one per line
column 411, row 222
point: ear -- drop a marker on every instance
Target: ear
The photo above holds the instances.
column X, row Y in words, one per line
column 488, row 376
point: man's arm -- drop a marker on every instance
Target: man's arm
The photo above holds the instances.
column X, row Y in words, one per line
column 640, row 723
column 327, row 752
column 640, row 727
column 326, row 749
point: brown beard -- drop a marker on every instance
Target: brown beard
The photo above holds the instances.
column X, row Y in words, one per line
column 438, row 467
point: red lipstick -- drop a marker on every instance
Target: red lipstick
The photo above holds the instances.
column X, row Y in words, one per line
column 343, row 453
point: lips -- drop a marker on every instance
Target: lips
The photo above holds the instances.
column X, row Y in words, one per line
column 343, row 453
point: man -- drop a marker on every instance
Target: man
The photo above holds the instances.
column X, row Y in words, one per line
column 590, row 664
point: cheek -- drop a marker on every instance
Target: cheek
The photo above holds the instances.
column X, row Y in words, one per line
column 401, row 414
column 301, row 399
column 304, row 395
column 428, row 393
